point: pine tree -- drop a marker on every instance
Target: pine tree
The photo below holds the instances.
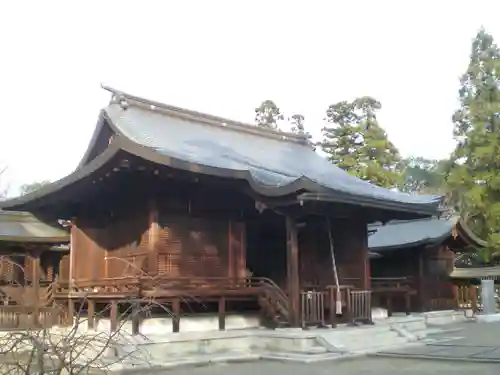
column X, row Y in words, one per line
column 267, row 115
column 423, row 176
column 355, row 142
column 342, row 136
column 474, row 176
column 379, row 158
column 297, row 124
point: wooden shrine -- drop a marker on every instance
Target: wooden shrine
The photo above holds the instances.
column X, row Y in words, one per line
column 201, row 212
column 415, row 260
column 31, row 255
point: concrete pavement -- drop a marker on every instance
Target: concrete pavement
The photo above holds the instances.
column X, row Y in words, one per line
column 475, row 342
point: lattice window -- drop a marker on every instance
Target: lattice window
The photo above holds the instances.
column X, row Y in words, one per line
column 50, row 272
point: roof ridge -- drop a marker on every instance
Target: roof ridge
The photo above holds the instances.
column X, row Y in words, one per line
column 124, row 100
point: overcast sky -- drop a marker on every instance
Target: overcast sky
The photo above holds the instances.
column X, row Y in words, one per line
column 225, row 57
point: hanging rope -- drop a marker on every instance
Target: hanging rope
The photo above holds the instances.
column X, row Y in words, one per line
column 338, row 300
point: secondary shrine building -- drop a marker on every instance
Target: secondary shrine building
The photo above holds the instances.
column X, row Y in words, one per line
column 415, row 259
column 197, row 209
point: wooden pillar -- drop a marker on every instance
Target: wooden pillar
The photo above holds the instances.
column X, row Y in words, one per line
column 35, row 263
column 222, row 313
column 367, row 279
column 231, row 266
column 154, row 237
column 136, row 318
column 422, row 297
column 176, row 315
column 91, row 313
column 113, row 316
column 71, row 312
column 292, row 262
column 72, row 249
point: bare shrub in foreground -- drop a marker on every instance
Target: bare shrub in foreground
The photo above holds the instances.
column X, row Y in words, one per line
column 75, row 349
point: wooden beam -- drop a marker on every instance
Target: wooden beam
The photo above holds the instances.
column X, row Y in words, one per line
column 292, row 261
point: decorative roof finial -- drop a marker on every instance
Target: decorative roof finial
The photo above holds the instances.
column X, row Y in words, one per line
column 122, row 102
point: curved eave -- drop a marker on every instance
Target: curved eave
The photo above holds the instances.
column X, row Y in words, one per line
column 120, row 143
column 468, row 236
column 423, row 242
column 340, row 197
column 95, row 136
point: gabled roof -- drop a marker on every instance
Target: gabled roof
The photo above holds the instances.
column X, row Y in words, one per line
column 400, row 234
column 273, row 163
column 24, row 227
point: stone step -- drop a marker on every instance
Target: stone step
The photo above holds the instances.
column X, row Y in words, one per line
column 301, row 358
column 349, row 344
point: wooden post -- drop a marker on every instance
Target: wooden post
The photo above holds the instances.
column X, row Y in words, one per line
column 473, row 297
column 35, row 262
column 389, row 305
column 407, row 303
column 154, row 237
column 222, row 313
column 91, row 314
column 136, row 319
column 366, row 284
column 176, row 315
column 231, row 266
column 332, row 293
column 292, row 261
column 71, row 312
column 113, row 316
column 422, row 295
column 72, row 248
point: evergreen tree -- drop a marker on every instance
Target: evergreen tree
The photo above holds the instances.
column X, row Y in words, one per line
column 355, row 142
column 30, row 188
column 423, row 176
column 474, row 175
column 379, row 158
column 267, row 115
column 297, row 124
column 342, row 136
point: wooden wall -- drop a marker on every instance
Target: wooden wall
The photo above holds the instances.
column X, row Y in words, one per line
column 182, row 246
column 428, row 267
